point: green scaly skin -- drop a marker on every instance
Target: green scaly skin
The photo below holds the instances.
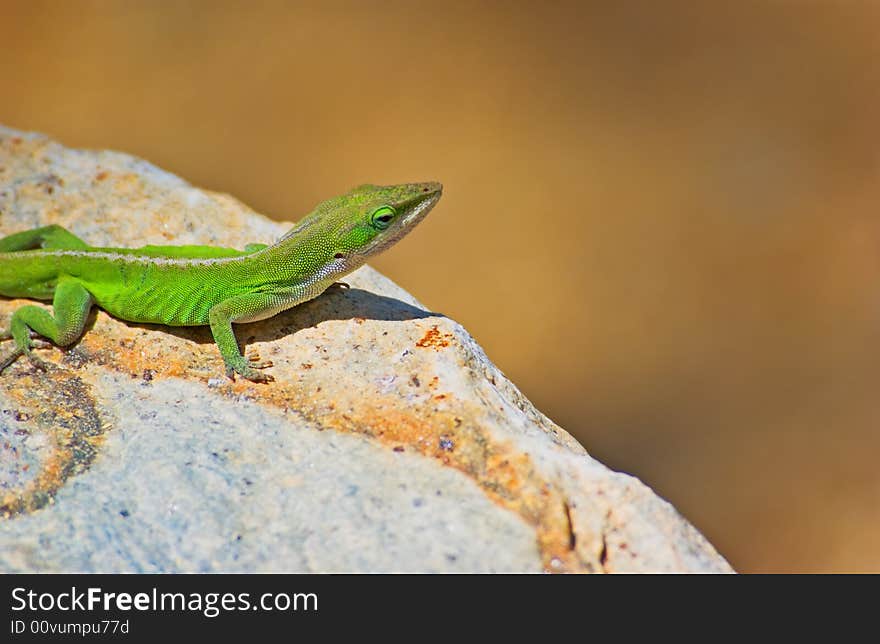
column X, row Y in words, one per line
column 200, row 285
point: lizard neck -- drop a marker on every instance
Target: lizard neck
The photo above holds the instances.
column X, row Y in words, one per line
column 305, row 259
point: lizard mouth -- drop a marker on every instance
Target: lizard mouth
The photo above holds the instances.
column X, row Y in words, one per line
column 422, row 208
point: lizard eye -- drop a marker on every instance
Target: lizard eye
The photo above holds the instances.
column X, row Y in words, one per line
column 381, row 217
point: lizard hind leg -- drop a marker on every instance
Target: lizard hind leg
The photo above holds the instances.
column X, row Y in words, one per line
column 49, row 237
column 71, row 306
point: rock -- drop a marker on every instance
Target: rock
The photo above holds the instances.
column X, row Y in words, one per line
column 388, row 441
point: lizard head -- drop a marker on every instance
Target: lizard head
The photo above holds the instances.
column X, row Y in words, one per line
column 344, row 232
column 369, row 218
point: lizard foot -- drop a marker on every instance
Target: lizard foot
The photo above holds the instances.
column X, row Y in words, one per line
column 38, row 363
column 13, row 355
column 16, row 353
column 249, row 373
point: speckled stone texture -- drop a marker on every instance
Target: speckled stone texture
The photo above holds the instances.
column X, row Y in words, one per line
column 388, row 441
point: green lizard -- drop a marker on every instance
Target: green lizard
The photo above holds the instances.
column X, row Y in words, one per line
column 200, row 285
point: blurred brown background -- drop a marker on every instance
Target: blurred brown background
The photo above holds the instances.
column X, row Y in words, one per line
column 660, row 219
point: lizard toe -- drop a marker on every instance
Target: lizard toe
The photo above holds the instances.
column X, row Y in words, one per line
column 256, row 376
column 38, row 363
column 13, row 355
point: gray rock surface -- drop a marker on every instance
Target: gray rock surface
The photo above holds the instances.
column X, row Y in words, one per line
column 388, row 442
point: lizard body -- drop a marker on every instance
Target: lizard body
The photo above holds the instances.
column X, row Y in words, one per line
column 200, row 285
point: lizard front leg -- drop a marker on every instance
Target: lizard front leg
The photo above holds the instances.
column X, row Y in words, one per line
column 71, row 305
column 250, row 307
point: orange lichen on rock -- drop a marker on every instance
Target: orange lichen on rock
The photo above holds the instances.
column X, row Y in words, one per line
column 433, row 339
